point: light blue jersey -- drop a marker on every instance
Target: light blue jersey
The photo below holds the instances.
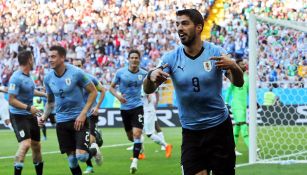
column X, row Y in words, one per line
column 68, row 92
column 130, row 85
column 22, row 86
column 198, row 86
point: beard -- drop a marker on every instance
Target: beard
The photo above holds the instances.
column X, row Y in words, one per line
column 189, row 40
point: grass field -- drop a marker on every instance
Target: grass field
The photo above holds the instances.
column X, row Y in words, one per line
column 116, row 158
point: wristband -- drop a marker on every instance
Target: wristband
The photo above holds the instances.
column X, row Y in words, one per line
column 28, row 108
column 149, row 73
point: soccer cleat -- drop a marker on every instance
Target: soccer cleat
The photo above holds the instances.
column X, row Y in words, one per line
column 88, row 170
column 141, row 156
column 162, row 148
column 129, row 148
column 134, row 166
column 98, row 157
column 238, row 153
column 168, row 150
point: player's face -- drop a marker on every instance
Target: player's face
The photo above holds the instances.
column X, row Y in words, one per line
column 55, row 60
column 134, row 60
column 242, row 65
column 186, row 30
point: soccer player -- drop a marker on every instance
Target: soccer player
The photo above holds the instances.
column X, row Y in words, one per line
column 23, row 114
column 150, row 119
column 197, row 69
column 64, row 87
column 238, row 106
column 93, row 119
column 130, row 81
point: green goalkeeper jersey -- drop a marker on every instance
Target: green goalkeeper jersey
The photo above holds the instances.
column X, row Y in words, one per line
column 239, row 95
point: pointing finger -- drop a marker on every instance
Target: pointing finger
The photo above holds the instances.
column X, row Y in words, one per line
column 215, row 58
column 163, row 66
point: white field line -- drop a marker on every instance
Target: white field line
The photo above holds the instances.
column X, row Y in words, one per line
column 58, row 152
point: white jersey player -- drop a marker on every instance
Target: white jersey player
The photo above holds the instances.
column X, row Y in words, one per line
column 150, row 119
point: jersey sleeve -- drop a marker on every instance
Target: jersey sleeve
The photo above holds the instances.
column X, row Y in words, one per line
column 167, row 59
column 219, row 52
column 46, row 84
column 14, row 85
column 83, row 79
column 116, row 78
column 94, row 80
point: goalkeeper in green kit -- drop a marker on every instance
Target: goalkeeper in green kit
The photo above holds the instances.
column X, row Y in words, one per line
column 238, row 106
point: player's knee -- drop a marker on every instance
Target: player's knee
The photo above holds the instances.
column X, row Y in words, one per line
column 26, row 144
column 72, row 161
column 82, row 157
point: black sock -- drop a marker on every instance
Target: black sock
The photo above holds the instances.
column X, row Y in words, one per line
column 39, row 168
column 137, row 149
column 92, row 152
column 89, row 163
column 17, row 170
column 76, row 170
column 44, row 130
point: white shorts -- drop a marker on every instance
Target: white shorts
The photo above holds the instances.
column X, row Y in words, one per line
column 150, row 118
column 4, row 108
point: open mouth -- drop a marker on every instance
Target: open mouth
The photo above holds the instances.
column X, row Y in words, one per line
column 182, row 36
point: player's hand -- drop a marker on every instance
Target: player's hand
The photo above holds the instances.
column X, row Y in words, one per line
column 34, row 111
column 122, row 99
column 40, row 121
column 158, row 76
column 223, row 62
column 79, row 122
column 95, row 111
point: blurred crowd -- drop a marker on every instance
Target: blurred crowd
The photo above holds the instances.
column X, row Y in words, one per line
column 101, row 33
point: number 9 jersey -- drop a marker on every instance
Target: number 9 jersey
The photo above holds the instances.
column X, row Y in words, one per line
column 198, row 86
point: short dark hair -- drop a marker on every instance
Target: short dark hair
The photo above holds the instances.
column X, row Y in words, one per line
column 61, row 50
column 239, row 60
column 134, row 51
column 24, row 57
column 195, row 16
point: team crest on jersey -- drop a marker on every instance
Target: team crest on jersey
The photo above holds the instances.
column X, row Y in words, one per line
column 68, row 81
column 140, row 77
column 12, row 87
column 22, row 133
column 207, row 66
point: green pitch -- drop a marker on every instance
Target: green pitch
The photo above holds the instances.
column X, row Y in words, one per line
column 116, row 158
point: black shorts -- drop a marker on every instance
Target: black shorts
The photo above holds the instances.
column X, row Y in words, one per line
column 93, row 122
column 52, row 118
column 25, row 127
column 133, row 118
column 69, row 139
column 210, row 149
